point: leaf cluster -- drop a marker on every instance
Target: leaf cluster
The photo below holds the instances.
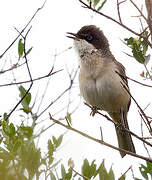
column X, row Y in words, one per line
column 139, row 48
column 19, row 156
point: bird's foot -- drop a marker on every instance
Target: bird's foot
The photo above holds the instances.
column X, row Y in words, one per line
column 93, row 110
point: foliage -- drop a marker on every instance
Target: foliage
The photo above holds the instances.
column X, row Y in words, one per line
column 26, row 100
column 97, row 4
column 139, row 48
column 19, row 156
column 146, row 171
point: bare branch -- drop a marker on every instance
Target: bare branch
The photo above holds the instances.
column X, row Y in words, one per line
column 118, row 9
column 99, row 141
column 133, row 80
column 149, row 12
column 66, row 90
column 84, row 177
column 29, row 81
column 142, row 112
column 23, row 29
column 125, row 173
column 125, row 129
column 138, row 10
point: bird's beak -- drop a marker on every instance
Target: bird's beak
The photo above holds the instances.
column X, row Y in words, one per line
column 73, row 36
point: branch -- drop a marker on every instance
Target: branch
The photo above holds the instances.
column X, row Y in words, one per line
column 142, row 112
column 124, row 128
column 118, row 9
column 117, row 22
column 70, row 86
column 23, row 29
column 28, row 81
column 98, row 140
column 138, row 10
column 121, row 177
column 28, row 69
column 124, row 76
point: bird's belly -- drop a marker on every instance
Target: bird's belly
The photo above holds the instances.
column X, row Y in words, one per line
column 104, row 93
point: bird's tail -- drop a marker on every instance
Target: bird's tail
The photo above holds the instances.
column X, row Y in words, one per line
column 124, row 138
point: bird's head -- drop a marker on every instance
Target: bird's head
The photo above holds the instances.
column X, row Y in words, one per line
column 91, row 35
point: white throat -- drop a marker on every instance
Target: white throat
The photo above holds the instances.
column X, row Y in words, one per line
column 82, row 47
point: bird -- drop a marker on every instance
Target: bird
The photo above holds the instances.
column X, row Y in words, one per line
column 102, row 81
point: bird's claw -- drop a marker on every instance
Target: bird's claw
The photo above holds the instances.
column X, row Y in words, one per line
column 93, row 111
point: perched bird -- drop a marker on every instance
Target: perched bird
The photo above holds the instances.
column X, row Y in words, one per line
column 100, row 82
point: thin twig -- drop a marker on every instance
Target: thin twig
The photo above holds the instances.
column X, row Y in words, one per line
column 68, row 88
column 118, row 9
column 139, row 10
column 28, row 81
column 125, row 173
column 124, row 76
column 133, row 134
column 142, row 134
column 100, row 141
column 14, row 66
column 28, row 69
column 23, row 29
column 142, row 112
column 77, row 173
column 117, row 22
column 147, row 20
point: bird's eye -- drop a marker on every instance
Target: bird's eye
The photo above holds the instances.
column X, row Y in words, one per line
column 89, row 37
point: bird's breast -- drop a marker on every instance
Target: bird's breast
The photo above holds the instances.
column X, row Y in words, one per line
column 103, row 89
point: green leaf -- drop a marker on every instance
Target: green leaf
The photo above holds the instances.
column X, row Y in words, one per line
column 52, row 176
column 17, row 145
column 149, row 167
column 23, row 92
column 129, row 41
column 89, row 170
column 102, row 171
column 101, row 6
column 111, row 174
column 9, row 130
column 20, row 48
column 138, row 55
column 59, row 140
column 136, row 46
column 33, row 156
column 63, row 172
column 85, row 168
column 5, row 116
column 29, row 51
column 27, row 99
column 69, row 174
column 68, row 118
column 96, row 2
column 54, row 140
column 50, row 151
column 93, row 168
column 145, row 170
column 27, row 131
